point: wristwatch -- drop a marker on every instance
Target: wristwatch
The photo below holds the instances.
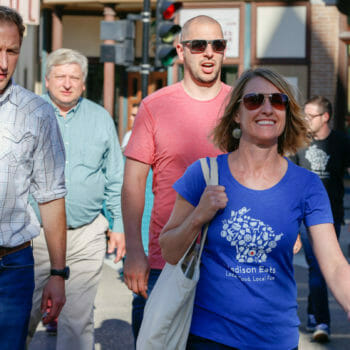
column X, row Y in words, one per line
column 64, row 273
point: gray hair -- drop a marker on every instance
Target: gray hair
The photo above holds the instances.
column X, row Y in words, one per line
column 66, row 56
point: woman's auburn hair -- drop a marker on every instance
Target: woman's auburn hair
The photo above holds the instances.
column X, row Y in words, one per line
column 296, row 133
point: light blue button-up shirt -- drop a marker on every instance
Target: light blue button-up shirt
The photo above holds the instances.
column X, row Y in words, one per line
column 94, row 163
column 31, row 161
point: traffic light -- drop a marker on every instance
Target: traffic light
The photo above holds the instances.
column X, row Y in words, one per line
column 123, row 32
column 166, row 31
column 344, row 6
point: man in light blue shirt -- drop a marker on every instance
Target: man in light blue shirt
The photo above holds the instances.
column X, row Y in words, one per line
column 94, row 173
column 31, row 161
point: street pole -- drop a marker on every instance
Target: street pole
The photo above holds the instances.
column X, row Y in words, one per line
column 145, row 66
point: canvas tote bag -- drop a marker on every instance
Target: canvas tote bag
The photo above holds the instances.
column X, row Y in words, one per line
column 168, row 311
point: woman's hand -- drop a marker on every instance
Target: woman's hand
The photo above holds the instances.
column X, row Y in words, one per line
column 186, row 221
column 297, row 245
column 212, row 199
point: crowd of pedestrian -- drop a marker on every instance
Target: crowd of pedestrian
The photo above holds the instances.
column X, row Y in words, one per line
column 62, row 166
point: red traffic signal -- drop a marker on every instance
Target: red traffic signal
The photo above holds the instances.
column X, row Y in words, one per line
column 169, row 8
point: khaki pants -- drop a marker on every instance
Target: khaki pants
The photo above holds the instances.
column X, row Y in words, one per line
column 86, row 248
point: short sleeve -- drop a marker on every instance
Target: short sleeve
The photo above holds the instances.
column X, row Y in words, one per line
column 192, row 184
column 317, row 209
column 48, row 182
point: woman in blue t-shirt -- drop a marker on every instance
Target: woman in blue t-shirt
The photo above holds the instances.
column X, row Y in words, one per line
column 246, row 296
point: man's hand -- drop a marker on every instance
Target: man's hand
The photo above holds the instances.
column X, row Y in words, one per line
column 136, row 266
column 136, row 272
column 116, row 240
column 53, row 298
column 54, row 223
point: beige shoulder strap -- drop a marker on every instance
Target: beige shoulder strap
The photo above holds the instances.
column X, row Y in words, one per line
column 211, row 175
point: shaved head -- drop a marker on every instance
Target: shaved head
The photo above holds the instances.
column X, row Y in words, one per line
column 202, row 19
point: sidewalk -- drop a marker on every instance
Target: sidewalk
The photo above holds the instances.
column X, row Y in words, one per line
column 112, row 315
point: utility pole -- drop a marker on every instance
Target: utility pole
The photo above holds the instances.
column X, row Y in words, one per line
column 145, row 66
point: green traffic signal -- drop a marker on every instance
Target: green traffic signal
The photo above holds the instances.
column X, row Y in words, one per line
column 166, row 54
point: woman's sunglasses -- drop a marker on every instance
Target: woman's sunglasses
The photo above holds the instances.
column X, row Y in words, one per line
column 254, row 101
column 200, row 45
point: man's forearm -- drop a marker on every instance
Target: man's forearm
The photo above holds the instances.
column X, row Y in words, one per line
column 54, row 223
column 133, row 202
column 132, row 208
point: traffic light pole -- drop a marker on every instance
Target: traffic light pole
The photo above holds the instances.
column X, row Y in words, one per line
column 145, row 66
column 157, row 62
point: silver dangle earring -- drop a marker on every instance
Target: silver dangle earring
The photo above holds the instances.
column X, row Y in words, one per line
column 237, row 133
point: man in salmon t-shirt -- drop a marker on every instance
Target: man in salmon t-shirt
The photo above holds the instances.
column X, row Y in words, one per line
column 171, row 131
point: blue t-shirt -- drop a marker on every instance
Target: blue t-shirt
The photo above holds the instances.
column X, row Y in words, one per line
column 247, row 296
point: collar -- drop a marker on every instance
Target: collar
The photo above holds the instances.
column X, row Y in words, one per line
column 7, row 94
column 70, row 113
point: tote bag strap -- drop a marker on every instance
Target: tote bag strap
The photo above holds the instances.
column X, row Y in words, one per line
column 211, row 177
column 192, row 257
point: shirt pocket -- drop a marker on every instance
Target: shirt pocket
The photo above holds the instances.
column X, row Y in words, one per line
column 16, row 146
column 92, row 156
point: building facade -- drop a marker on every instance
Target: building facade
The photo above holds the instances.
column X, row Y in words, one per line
column 305, row 41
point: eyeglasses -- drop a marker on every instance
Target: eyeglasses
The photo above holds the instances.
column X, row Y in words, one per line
column 313, row 116
column 200, row 45
column 254, row 101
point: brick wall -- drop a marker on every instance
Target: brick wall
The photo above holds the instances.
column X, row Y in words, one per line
column 324, row 50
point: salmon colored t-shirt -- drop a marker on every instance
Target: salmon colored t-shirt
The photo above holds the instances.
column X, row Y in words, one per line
column 171, row 131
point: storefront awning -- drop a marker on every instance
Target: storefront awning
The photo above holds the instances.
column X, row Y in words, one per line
column 82, row 2
column 345, row 36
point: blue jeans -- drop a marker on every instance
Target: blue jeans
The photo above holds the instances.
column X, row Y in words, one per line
column 16, row 292
column 139, row 302
column 318, row 294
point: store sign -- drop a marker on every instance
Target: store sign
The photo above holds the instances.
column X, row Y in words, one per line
column 28, row 9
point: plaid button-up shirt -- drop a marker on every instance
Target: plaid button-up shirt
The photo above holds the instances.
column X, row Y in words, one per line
column 32, row 161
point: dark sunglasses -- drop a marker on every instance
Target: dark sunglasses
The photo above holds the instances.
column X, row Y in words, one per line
column 199, row 45
column 254, row 101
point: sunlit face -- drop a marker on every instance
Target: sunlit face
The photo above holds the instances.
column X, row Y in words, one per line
column 261, row 126
column 204, row 68
column 133, row 113
column 315, row 117
column 10, row 45
column 65, row 84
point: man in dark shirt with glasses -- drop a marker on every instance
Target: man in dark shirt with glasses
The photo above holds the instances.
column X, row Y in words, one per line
column 328, row 156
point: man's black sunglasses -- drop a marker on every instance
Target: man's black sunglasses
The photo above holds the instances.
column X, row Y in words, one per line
column 199, row 45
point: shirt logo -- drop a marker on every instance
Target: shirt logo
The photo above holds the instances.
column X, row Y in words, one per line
column 318, row 158
column 251, row 238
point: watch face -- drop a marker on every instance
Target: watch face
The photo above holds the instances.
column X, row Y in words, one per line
column 66, row 272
